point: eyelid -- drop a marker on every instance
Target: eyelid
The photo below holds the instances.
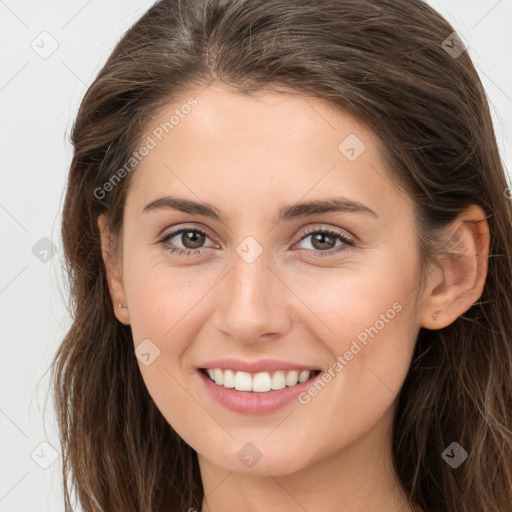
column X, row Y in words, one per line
column 342, row 233
column 346, row 238
column 172, row 230
column 177, row 230
column 308, row 231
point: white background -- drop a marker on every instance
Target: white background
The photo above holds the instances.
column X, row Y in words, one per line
column 38, row 100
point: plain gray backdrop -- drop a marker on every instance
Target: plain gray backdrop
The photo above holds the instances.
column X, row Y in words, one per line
column 51, row 53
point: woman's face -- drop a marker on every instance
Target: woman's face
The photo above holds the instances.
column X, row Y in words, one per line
column 266, row 286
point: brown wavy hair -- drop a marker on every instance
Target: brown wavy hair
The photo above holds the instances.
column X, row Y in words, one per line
column 383, row 61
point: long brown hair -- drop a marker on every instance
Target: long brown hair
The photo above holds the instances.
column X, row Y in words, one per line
column 386, row 63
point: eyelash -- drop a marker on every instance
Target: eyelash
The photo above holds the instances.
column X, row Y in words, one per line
column 316, row 253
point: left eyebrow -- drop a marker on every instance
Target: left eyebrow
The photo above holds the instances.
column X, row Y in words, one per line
column 333, row 204
column 290, row 212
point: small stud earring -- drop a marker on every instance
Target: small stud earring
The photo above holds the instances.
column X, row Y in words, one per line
column 119, row 306
column 434, row 316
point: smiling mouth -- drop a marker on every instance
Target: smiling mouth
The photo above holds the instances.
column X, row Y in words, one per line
column 261, row 382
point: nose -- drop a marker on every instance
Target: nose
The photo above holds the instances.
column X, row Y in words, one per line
column 253, row 302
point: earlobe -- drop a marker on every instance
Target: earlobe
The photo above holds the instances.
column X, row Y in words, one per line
column 113, row 272
column 458, row 281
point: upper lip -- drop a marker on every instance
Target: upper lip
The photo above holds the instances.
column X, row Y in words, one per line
column 260, row 365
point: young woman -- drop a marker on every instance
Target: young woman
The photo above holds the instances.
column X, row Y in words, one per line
column 288, row 236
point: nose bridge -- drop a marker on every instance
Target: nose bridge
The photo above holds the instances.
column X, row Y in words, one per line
column 251, row 286
column 249, row 306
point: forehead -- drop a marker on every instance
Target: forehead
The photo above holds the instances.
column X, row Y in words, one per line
column 218, row 143
column 218, row 112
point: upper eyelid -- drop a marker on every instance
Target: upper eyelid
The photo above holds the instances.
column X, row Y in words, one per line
column 336, row 231
column 178, row 230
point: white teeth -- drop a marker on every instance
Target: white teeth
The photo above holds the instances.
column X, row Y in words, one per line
column 278, row 380
column 303, row 375
column 243, row 381
column 229, row 379
column 292, row 378
column 218, row 376
column 261, row 382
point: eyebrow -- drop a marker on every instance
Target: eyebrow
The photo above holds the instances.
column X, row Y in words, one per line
column 295, row 211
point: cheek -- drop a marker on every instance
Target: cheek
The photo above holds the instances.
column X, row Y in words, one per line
column 165, row 309
column 362, row 301
column 161, row 296
column 371, row 334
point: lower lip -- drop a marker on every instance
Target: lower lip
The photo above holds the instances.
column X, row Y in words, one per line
column 250, row 402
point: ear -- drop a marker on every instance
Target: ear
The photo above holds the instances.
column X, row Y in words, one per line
column 459, row 279
column 112, row 263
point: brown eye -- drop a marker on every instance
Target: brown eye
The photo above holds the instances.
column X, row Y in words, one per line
column 187, row 241
column 324, row 242
column 192, row 239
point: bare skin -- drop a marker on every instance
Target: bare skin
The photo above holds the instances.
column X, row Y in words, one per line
column 250, row 156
